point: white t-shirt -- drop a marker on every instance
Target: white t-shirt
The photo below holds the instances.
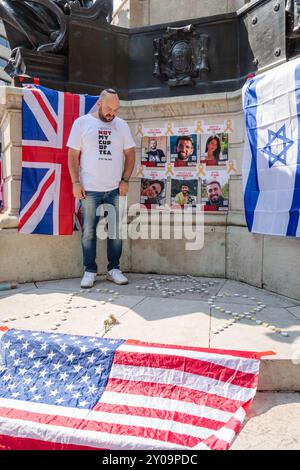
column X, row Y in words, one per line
column 101, row 145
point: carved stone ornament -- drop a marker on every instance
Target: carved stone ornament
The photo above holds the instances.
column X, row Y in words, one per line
column 42, row 25
column 181, row 56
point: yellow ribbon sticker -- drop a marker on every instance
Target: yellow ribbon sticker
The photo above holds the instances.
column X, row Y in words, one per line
column 199, row 128
column 201, row 171
column 169, row 130
column 140, row 171
column 228, row 126
column 231, row 167
column 139, row 130
column 169, row 169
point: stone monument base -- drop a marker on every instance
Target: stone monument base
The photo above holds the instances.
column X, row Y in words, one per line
column 229, row 250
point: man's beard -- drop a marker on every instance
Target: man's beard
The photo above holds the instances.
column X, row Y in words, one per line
column 103, row 118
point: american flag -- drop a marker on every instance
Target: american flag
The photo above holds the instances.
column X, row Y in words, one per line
column 74, row 392
column 47, row 204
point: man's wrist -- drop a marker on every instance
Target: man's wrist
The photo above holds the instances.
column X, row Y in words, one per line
column 76, row 182
column 126, row 179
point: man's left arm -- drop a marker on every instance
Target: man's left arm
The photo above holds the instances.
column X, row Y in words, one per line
column 128, row 169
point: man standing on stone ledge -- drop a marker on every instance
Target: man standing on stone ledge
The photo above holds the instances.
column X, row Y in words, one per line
column 104, row 145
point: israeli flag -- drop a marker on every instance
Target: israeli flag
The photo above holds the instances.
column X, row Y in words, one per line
column 271, row 164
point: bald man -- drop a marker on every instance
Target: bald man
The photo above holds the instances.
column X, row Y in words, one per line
column 101, row 159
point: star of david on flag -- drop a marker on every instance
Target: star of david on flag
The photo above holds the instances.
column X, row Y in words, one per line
column 271, row 164
column 278, row 139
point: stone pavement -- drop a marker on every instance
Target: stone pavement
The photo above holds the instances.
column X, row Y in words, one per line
column 202, row 312
column 272, row 423
column 183, row 310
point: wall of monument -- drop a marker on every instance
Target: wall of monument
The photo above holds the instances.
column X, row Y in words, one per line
column 136, row 13
column 229, row 249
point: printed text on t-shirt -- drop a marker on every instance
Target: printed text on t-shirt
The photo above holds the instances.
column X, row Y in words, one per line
column 104, row 142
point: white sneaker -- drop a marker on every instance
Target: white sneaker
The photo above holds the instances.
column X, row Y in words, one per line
column 116, row 276
column 88, row 279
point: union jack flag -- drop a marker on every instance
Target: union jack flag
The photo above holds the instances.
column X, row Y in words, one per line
column 47, row 204
column 74, row 392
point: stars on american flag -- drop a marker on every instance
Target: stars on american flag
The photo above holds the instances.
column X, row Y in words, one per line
column 98, row 370
column 50, row 355
column 91, row 359
column 59, row 401
column 63, row 376
column 49, row 383
column 12, row 386
column 70, row 387
column 17, row 362
column 85, row 379
column 71, row 357
column 37, row 397
column 56, row 369
column 7, row 378
column 77, row 368
column 37, row 364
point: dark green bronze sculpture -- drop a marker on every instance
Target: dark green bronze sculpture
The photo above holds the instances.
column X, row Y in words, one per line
column 41, row 25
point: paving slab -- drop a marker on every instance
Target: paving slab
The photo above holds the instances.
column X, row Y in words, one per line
column 33, row 300
column 46, row 309
column 272, row 423
column 60, row 284
column 247, row 334
column 21, row 288
column 187, row 317
column 155, row 285
column 170, row 321
column 295, row 311
column 269, row 298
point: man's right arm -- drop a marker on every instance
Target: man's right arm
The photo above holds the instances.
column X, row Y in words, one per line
column 73, row 164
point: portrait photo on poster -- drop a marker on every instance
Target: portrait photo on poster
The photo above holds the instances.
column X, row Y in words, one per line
column 215, row 191
column 214, row 149
column 184, row 193
column 183, row 150
column 154, row 151
column 153, row 192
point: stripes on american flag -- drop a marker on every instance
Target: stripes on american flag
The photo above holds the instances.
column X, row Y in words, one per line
column 156, row 397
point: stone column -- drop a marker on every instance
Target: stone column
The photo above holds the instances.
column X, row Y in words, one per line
column 11, row 139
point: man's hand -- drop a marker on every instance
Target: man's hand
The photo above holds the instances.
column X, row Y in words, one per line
column 78, row 191
column 123, row 188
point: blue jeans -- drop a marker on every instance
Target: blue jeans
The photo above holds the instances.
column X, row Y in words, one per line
column 90, row 209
